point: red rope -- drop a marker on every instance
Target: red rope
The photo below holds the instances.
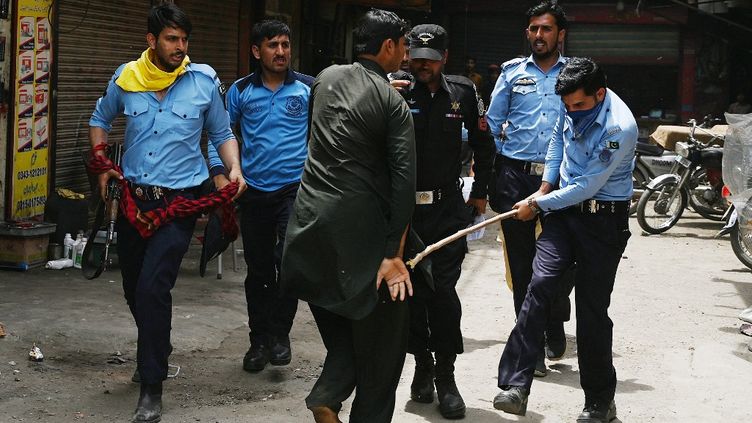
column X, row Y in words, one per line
column 147, row 222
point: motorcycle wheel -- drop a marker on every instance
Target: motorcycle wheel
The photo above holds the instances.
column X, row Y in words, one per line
column 711, row 211
column 741, row 242
column 640, row 179
column 654, row 213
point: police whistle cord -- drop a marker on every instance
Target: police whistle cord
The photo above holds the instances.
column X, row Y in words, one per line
column 147, row 222
column 464, row 232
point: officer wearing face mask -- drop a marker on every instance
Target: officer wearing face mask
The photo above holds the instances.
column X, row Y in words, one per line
column 591, row 158
column 521, row 117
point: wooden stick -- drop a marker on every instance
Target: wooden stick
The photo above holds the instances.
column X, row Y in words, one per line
column 435, row 246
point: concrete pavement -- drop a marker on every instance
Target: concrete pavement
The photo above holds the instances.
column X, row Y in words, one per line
column 678, row 351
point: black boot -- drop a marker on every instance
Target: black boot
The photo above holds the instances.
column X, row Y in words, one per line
column 149, row 408
column 451, row 404
column 421, row 390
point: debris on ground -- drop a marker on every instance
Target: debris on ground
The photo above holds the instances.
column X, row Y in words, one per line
column 2, row 330
column 35, row 354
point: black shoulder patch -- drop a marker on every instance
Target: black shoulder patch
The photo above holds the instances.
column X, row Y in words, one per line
column 459, row 79
column 306, row 79
column 243, row 83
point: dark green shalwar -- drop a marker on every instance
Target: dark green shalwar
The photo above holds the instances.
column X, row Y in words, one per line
column 355, row 200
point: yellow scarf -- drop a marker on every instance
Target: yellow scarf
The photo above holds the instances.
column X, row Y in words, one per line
column 143, row 75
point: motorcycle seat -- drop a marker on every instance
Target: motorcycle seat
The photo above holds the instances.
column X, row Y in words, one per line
column 647, row 149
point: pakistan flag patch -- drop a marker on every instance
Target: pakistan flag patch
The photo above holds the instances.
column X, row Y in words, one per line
column 613, row 145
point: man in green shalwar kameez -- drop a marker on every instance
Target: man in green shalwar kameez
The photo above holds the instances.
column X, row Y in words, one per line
column 345, row 239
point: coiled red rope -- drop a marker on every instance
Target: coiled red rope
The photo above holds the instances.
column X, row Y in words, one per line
column 147, row 222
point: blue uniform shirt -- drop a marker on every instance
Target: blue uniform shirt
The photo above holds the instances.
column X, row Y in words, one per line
column 162, row 138
column 274, row 126
column 525, row 98
column 597, row 164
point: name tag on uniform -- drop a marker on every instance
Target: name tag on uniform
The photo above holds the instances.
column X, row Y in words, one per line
column 453, row 115
column 424, row 197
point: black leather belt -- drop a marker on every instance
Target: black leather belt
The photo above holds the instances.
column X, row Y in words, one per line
column 153, row 192
column 530, row 168
column 436, row 195
column 602, row 207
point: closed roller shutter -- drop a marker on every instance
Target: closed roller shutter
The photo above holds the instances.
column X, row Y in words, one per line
column 633, row 44
column 95, row 37
column 214, row 39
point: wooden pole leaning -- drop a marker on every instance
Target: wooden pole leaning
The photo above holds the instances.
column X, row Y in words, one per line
column 435, row 246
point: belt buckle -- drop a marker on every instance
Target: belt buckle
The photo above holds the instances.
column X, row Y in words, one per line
column 536, row 169
column 593, row 206
column 424, row 197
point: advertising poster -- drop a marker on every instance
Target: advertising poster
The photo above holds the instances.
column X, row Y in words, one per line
column 33, row 64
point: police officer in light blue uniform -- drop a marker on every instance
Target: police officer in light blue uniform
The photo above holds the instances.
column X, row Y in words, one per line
column 271, row 108
column 591, row 157
column 167, row 103
column 525, row 100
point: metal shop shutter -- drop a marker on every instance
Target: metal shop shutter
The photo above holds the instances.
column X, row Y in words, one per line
column 629, row 44
column 214, row 40
column 95, row 37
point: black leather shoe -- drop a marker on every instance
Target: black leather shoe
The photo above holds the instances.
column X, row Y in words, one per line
column 451, row 404
column 149, row 408
column 556, row 341
column 421, row 390
column 597, row 413
column 540, row 367
column 512, row 400
column 281, row 354
column 256, row 358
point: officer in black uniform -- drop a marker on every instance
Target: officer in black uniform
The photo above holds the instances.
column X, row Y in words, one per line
column 440, row 104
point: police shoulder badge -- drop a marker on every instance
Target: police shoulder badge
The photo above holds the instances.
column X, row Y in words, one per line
column 613, row 145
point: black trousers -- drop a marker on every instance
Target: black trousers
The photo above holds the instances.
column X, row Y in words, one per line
column 263, row 223
column 150, row 268
column 596, row 243
column 364, row 355
column 435, row 314
column 511, row 186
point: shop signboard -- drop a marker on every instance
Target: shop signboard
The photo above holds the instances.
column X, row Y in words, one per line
column 29, row 174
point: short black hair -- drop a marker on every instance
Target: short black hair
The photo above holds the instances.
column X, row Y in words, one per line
column 374, row 28
column 580, row 72
column 167, row 15
column 552, row 7
column 268, row 28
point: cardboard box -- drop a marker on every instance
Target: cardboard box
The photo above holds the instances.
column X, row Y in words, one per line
column 23, row 246
column 668, row 135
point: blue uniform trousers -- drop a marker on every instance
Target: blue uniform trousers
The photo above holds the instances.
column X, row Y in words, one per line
column 149, row 268
column 511, row 186
column 263, row 223
column 595, row 242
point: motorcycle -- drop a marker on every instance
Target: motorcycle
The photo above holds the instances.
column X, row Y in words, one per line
column 740, row 231
column 652, row 160
column 664, row 199
column 737, row 173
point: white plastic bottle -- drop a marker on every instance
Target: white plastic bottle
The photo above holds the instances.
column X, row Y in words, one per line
column 79, row 253
column 67, row 246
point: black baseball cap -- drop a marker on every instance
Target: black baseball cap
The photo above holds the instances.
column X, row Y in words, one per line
column 428, row 41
